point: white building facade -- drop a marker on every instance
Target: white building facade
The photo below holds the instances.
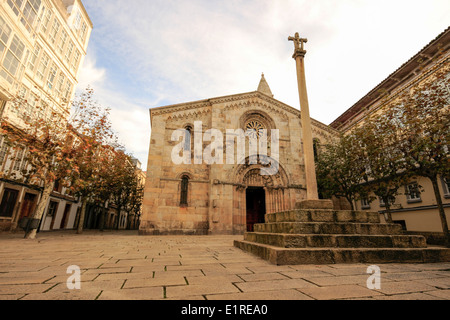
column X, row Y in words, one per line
column 42, row 46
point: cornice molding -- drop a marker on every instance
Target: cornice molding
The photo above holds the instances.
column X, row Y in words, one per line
column 233, row 102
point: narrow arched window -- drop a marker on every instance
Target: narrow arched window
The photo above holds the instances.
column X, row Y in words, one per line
column 184, row 191
column 316, row 146
column 187, row 139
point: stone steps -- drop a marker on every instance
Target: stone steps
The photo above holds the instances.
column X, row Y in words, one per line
column 328, row 228
column 297, row 256
column 336, row 240
column 314, row 233
column 311, row 215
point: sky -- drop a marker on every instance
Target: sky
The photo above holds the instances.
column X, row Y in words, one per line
column 144, row 54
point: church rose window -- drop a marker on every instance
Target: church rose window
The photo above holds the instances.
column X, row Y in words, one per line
column 254, row 129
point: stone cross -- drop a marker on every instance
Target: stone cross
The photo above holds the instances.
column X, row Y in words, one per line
column 298, row 42
column 307, row 140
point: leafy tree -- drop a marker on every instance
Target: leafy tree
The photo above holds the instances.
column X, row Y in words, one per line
column 135, row 201
column 422, row 118
column 339, row 171
column 95, row 139
column 385, row 165
column 122, row 178
column 47, row 138
column 80, row 151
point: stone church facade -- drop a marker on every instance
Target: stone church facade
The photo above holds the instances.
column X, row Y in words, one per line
column 223, row 198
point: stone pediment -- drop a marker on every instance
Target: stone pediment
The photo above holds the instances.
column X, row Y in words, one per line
column 233, row 102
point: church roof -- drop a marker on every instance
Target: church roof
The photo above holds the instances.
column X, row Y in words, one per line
column 264, row 87
column 263, row 92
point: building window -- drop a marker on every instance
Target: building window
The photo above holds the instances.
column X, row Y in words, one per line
column 187, row 139
column 8, row 202
column 30, row 11
column 26, row 11
column 54, row 31
column 77, row 21
column 446, row 186
column 34, row 57
column 413, row 193
column 3, row 151
column 60, row 84
column 391, row 201
column 5, row 33
column 19, row 159
column 52, row 208
column 254, row 129
column 42, row 67
column 76, row 60
column 62, row 42
column 15, row 5
column 51, row 76
column 58, row 186
column 68, row 52
column 184, row 191
column 316, row 147
column 47, row 16
column 365, row 204
column 12, row 59
column 83, row 32
column 68, row 91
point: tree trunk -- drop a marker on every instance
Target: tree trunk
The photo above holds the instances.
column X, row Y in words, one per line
column 82, row 216
column 39, row 213
column 388, row 210
column 350, row 201
column 103, row 217
column 440, row 206
column 118, row 218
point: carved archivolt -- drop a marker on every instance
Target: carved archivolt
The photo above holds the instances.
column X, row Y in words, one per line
column 250, row 175
column 253, row 178
column 258, row 116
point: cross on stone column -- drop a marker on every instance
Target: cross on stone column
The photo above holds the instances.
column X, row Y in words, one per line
column 298, row 42
column 299, row 46
column 308, row 149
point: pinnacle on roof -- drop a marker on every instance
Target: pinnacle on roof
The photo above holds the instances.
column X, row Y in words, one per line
column 264, row 87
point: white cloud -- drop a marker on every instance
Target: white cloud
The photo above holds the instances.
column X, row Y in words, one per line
column 152, row 53
column 129, row 120
column 90, row 74
column 133, row 128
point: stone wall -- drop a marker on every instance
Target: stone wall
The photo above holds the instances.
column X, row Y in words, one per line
column 217, row 192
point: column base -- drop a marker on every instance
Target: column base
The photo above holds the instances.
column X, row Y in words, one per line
column 315, row 204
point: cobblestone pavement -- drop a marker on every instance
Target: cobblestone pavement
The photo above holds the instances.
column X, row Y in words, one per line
column 124, row 266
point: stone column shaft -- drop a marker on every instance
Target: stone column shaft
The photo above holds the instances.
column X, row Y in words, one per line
column 308, row 149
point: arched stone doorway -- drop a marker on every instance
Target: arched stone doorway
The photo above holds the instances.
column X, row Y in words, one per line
column 255, row 206
column 257, row 195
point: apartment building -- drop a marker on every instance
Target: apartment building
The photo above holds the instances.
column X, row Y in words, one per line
column 42, row 46
column 416, row 205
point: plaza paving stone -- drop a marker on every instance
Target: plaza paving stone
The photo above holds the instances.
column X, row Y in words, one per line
column 121, row 265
